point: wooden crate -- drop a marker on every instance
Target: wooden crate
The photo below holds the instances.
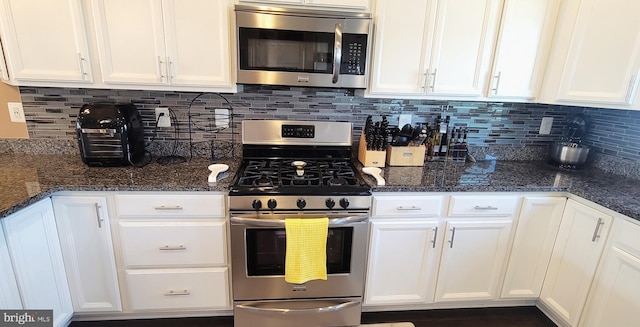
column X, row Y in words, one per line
column 405, row 155
column 370, row 158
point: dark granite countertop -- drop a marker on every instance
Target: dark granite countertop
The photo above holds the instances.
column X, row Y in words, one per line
column 25, row 179
column 616, row 192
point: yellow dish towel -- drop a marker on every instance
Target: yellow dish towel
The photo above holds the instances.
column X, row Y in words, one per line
column 306, row 256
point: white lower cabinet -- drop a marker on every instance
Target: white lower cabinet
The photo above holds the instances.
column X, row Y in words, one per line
column 425, row 258
column 404, row 249
column 403, row 261
column 34, row 248
column 576, row 253
column 85, row 236
column 10, row 295
column 535, row 235
column 174, row 251
column 615, row 296
column 473, row 259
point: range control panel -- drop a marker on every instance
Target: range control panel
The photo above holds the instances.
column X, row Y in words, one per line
column 299, row 131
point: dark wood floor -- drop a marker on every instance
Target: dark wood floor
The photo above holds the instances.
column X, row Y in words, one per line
column 489, row 317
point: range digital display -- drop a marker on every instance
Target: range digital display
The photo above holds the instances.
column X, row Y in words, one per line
column 298, row 131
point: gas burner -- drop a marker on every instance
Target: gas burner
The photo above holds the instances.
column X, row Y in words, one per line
column 264, row 180
column 336, row 181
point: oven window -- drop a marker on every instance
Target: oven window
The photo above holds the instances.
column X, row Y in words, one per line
column 280, row 50
column 266, row 250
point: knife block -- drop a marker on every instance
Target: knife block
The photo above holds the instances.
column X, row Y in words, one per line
column 370, row 158
column 405, row 155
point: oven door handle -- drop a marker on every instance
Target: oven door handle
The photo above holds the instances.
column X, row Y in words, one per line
column 347, row 220
column 253, row 306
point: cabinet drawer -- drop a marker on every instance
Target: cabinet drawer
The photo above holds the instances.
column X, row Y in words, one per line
column 407, row 205
column 173, row 243
column 170, row 205
column 472, row 205
column 193, row 288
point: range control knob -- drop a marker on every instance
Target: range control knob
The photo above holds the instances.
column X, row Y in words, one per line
column 272, row 203
column 344, row 203
column 256, row 204
column 301, row 203
column 330, row 203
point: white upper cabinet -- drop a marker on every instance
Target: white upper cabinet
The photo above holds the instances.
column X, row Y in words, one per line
column 463, row 42
column 4, row 74
column 465, row 49
column 44, row 41
column 438, row 47
column 596, row 56
column 335, row 4
column 523, row 45
column 399, row 61
column 154, row 42
column 130, row 42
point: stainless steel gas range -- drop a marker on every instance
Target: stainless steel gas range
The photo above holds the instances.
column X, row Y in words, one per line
column 297, row 169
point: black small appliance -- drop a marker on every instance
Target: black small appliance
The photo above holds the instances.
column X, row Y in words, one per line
column 110, row 134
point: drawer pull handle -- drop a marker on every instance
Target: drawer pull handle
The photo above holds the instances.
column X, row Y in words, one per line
column 596, row 233
column 402, row 208
column 485, row 208
column 174, row 293
column 172, row 248
column 168, row 208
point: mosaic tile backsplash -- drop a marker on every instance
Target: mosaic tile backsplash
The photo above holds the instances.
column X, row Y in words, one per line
column 51, row 114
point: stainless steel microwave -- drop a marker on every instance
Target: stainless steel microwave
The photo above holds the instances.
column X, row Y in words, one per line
column 302, row 47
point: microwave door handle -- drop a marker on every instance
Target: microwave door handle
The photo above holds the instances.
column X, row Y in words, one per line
column 337, row 53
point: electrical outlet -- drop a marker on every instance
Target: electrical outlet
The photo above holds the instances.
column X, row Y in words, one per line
column 162, row 117
column 545, row 126
column 403, row 120
column 221, row 116
column 16, row 112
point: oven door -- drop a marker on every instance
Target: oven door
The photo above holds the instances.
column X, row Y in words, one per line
column 258, row 256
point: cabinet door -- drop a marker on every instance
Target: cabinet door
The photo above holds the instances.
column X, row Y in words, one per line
column 603, row 59
column 37, row 260
column 399, row 63
column 130, row 42
column 575, row 256
column 198, row 42
column 85, row 236
column 523, row 44
column 10, row 296
column 45, row 40
column 403, row 262
column 4, row 73
column 615, row 298
column 535, row 235
column 462, row 50
column 473, row 259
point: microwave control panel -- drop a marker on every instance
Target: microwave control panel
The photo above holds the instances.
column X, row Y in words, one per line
column 354, row 54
